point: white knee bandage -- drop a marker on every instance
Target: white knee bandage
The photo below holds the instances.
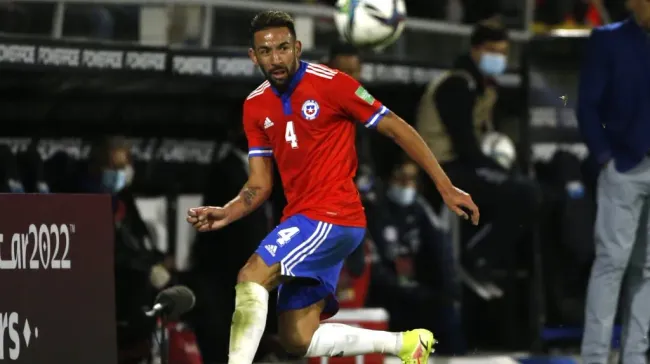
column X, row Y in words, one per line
column 248, row 322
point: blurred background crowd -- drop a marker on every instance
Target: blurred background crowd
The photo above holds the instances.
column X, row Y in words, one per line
column 515, row 283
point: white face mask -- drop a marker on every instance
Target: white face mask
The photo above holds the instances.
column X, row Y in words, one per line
column 403, row 196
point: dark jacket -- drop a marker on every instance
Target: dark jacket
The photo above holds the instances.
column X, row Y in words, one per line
column 614, row 94
column 135, row 255
column 410, row 251
column 134, row 249
column 454, row 100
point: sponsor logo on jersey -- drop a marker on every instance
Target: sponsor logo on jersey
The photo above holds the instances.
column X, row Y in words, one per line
column 268, row 123
column 271, row 249
column 310, row 109
column 364, row 95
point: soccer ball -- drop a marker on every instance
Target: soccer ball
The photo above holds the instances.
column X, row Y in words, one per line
column 370, row 23
column 500, row 148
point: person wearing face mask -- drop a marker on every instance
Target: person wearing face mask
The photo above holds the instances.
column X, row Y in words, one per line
column 454, row 114
column 140, row 269
column 412, row 262
column 456, row 108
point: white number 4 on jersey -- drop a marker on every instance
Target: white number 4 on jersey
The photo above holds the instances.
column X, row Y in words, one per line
column 290, row 135
column 285, row 235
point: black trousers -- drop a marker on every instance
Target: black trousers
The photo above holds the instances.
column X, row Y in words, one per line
column 508, row 207
column 213, row 278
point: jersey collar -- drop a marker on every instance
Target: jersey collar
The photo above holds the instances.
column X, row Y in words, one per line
column 295, row 80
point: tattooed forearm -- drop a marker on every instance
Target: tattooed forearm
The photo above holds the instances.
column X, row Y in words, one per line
column 248, row 194
column 248, row 200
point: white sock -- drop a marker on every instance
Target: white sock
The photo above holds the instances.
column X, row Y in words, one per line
column 248, row 322
column 343, row 340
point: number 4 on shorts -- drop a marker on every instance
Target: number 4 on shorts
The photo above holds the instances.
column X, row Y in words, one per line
column 285, row 235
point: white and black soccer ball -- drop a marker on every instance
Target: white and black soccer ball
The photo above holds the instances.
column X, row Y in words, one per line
column 499, row 147
column 370, row 23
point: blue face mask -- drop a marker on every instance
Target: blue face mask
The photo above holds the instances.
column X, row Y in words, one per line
column 493, row 64
column 114, row 180
column 403, row 196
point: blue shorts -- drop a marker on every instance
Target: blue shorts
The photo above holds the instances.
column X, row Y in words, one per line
column 312, row 249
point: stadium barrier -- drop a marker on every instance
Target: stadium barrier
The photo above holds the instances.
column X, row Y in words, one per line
column 56, row 264
column 308, row 11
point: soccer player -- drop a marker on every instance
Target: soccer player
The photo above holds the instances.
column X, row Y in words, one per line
column 303, row 116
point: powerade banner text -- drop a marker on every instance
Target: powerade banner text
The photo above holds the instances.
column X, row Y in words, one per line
column 202, row 63
column 552, row 122
column 56, row 267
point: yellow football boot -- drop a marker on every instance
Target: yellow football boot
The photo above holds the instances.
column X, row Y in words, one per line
column 416, row 346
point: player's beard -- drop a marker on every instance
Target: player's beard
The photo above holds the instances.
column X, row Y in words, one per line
column 280, row 82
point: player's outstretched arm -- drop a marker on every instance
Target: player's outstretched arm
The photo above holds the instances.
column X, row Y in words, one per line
column 410, row 141
column 255, row 191
column 253, row 194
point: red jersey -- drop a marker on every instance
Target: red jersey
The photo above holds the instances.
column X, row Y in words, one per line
column 309, row 130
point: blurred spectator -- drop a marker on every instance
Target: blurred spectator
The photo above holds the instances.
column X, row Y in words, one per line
column 32, row 171
column 412, row 262
column 184, row 24
column 140, row 270
column 217, row 256
column 345, row 57
column 9, row 177
column 454, row 114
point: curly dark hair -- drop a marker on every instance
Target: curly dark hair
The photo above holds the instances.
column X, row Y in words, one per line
column 271, row 19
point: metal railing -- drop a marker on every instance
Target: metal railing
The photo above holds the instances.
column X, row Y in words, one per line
column 310, row 10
